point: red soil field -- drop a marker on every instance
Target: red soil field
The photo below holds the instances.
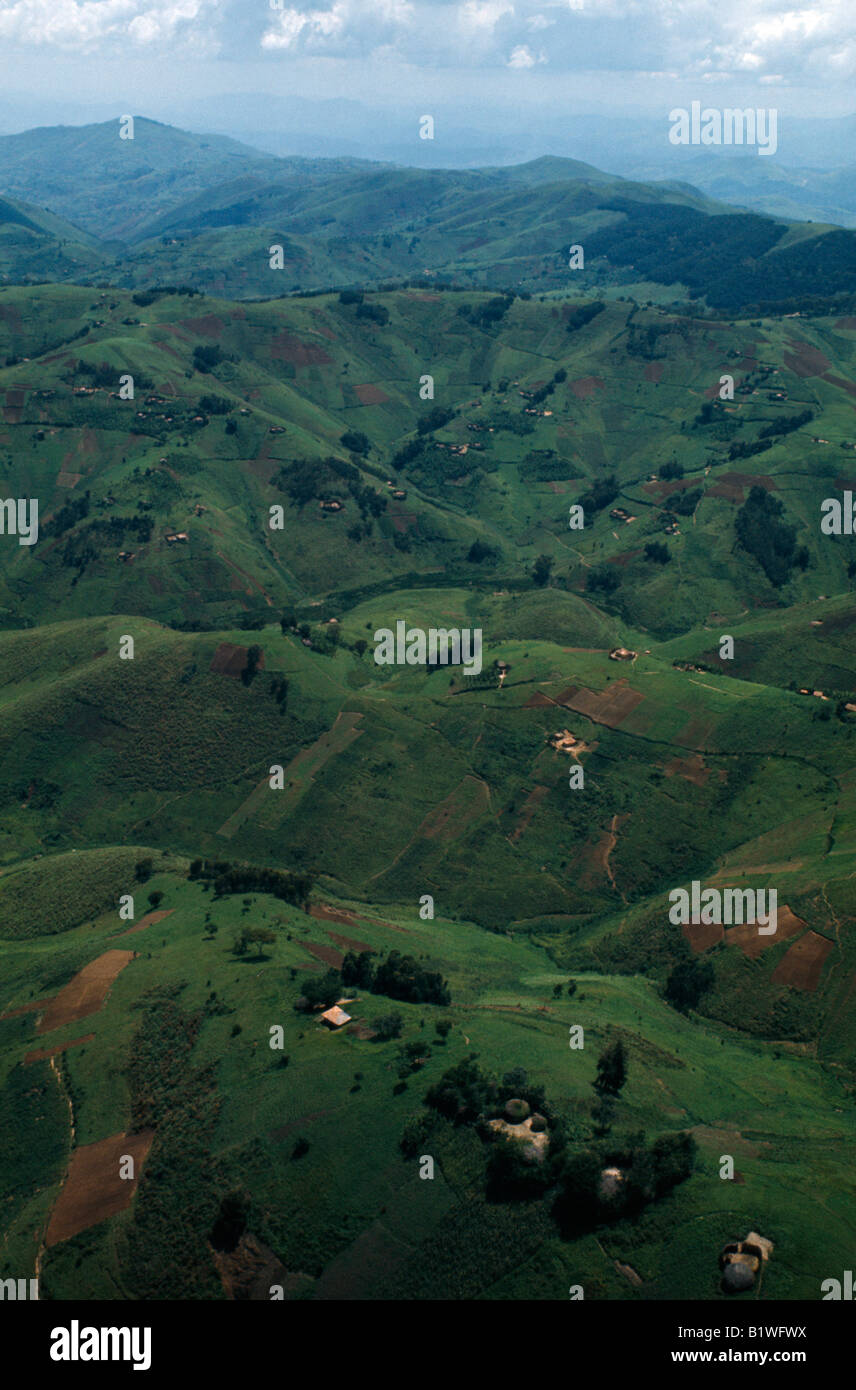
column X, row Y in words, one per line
column 42, row 1053
column 802, row 965
column 327, row 954
column 93, row 1190
column 230, row 660
column 85, row 993
column 148, row 921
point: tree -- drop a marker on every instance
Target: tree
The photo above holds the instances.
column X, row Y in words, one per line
column 611, row 1069
column 155, row 898
column 259, row 936
column 541, row 570
column 324, row 991
column 603, row 577
column 254, row 656
column 657, row 553
column 360, row 647
column 356, row 442
column 388, row 1026
column 358, row 969
column 688, row 981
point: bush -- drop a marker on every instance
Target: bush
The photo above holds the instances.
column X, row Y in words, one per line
column 388, row 1026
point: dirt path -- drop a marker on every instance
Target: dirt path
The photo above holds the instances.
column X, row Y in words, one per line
column 65, row 1091
column 40, row 1253
column 613, row 841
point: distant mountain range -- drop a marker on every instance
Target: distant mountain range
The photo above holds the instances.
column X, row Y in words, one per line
column 172, row 207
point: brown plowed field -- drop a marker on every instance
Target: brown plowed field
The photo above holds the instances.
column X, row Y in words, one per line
column 610, row 706
column 93, row 1190
column 230, row 660
column 371, row 395
column 802, row 965
column 327, row 954
column 85, row 993
column 150, row 919
column 41, row 1054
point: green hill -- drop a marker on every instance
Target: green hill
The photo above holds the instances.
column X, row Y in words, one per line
column 215, row 801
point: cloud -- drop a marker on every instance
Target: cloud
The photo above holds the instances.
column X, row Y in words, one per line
column 523, row 57
column 483, row 15
column 88, row 24
column 345, row 27
column 740, row 41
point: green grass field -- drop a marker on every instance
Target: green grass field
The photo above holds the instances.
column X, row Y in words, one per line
column 405, row 781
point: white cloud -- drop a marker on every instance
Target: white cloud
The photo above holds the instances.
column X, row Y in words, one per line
column 523, row 57
column 484, row 15
column 86, row 24
column 346, row 23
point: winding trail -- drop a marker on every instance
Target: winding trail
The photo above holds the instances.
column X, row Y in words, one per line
column 52, row 1063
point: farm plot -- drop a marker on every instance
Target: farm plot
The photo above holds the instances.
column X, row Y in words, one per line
column 84, row 994
column 93, row 1189
column 298, row 775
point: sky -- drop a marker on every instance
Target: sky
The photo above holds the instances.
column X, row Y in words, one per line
column 501, row 61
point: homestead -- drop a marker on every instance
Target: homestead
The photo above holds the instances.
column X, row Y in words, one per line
column 741, row 1261
column 335, row 1017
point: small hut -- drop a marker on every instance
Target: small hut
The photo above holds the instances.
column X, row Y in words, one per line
column 335, row 1017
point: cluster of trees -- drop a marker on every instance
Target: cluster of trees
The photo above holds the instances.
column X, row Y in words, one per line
column 603, row 579
column 684, row 503
column 657, row 553
column 244, row 878
column 254, row 656
column 146, row 297
column 398, row 977
column 85, row 545
column 356, row 442
column 579, row 315
column 786, row 425
column 720, row 257
column 214, row 405
column 206, row 356
column 307, row 479
column 642, row 341
column 537, row 397
column 465, row 1093
column 279, row 691
column 486, row 315
column 688, row 981
column 104, row 374
column 748, row 449
column 600, row 494
column 434, row 419
column 763, row 533
column 375, row 313
column 67, row 516
column 541, row 570
column 648, row 1172
column 479, row 552
column 546, row 466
